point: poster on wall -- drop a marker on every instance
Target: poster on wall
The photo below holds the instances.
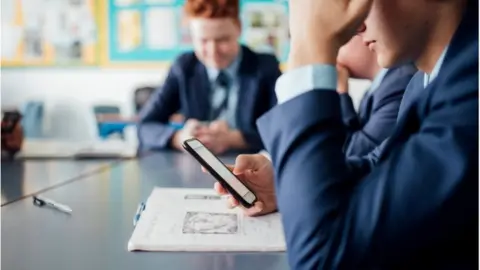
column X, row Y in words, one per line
column 153, row 35
column 185, row 35
column 129, row 35
column 159, row 37
column 266, row 27
column 158, row 30
column 48, row 32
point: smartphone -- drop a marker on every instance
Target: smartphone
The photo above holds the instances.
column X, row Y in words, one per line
column 223, row 175
column 9, row 120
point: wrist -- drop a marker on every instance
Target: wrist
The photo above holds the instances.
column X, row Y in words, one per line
column 235, row 140
column 310, row 53
column 342, row 89
column 176, row 141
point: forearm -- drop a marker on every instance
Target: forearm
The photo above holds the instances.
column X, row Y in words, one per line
column 154, row 136
column 305, row 194
column 335, row 217
column 379, row 127
column 349, row 115
column 359, row 143
column 236, row 140
column 245, row 141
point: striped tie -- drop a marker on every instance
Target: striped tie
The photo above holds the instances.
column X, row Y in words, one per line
column 220, row 96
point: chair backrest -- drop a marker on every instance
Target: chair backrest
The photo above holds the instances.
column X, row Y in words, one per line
column 141, row 97
column 33, row 119
column 106, row 109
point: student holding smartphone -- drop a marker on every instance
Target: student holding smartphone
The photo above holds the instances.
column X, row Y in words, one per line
column 416, row 202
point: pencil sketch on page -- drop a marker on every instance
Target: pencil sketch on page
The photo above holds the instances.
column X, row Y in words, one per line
column 201, row 197
column 210, row 223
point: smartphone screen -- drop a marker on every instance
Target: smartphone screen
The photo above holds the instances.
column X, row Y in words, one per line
column 219, row 170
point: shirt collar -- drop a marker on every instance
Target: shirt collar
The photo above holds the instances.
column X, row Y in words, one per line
column 428, row 78
column 378, row 79
column 231, row 70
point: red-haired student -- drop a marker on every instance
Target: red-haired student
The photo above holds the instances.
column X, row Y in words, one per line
column 221, row 87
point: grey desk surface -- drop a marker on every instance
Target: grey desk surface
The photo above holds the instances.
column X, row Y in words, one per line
column 95, row 236
column 22, row 178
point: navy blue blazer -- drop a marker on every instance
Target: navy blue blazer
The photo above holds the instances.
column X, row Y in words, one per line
column 377, row 113
column 363, row 164
column 187, row 89
column 417, row 207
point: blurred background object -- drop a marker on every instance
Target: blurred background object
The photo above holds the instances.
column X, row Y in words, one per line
column 75, row 75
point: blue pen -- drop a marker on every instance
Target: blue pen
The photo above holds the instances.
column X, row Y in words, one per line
column 140, row 209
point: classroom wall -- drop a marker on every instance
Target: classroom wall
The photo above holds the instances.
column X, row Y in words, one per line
column 91, row 85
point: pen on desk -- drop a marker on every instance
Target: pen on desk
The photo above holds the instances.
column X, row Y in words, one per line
column 140, row 209
column 41, row 201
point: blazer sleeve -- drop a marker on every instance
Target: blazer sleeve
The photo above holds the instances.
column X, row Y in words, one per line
column 380, row 124
column 422, row 192
column 267, row 101
column 154, row 131
column 349, row 115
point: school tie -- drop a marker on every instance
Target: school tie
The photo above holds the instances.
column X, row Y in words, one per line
column 220, row 95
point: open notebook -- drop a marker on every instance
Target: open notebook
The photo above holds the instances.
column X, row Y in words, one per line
column 199, row 220
column 51, row 149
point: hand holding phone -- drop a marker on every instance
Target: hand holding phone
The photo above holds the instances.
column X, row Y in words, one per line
column 221, row 173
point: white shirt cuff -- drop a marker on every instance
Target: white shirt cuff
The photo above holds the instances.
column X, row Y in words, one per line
column 304, row 79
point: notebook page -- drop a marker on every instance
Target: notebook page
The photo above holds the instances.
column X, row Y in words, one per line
column 199, row 220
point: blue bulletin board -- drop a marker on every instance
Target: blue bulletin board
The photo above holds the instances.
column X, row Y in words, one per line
column 153, row 31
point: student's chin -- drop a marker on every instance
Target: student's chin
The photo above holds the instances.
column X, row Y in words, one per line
column 386, row 61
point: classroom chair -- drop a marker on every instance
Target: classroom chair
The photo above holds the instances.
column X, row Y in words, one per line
column 33, row 119
column 141, row 96
column 108, row 129
column 73, row 121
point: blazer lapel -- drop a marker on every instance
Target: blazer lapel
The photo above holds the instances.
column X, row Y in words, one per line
column 200, row 90
column 365, row 107
column 246, row 94
column 408, row 120
column 248, row 88
column 414, row 88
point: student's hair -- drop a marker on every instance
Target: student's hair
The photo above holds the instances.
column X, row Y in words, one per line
column 212, row 9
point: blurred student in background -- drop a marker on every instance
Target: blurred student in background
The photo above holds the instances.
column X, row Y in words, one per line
column 377, row 113
column 221, row 88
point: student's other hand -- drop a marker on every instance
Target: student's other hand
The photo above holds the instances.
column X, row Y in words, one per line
column 177, row 118
column 342, row 79
column 338, row 20
column 191, row 128
column 219, row 126
column 256, row 172
column 216, row 137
